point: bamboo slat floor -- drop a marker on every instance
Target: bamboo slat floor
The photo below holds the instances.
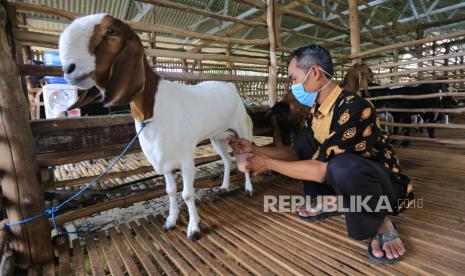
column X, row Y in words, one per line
column 239, row 238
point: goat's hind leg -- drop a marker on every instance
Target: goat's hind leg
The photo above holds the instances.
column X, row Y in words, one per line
column 188, row 194
column 171, row 190
column 221, row 147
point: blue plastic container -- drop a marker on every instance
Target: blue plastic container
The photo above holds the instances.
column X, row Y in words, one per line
column 52, row 58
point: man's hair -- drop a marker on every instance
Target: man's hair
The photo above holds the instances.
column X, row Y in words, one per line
column 312, row 54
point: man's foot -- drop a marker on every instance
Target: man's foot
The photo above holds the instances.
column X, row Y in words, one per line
column 393, row 248
column 316, row 213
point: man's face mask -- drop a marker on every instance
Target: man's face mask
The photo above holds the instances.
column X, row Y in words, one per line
column 304, row 97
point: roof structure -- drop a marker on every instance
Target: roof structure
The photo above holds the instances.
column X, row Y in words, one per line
column 382, row 22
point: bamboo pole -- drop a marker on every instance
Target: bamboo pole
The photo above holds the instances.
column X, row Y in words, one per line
column 142, row 196
column 142, row 26
column 422, row 110
column 421, row 70
column 272, row 34
column 416, row 83
column 409, row 43
column 145, row 169
column 426, row 59
column 461, row 84
column 417, row 97
column 199, row 56
column 430, row 140
column 354, row 25
column 39, row 70
column 420, row 34
column 433, row 125
column 23, row 195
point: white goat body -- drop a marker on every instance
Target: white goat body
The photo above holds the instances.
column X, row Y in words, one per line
column 184, row 115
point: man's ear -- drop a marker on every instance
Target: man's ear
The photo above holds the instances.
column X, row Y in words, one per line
column 127, row 75
column 85, row 97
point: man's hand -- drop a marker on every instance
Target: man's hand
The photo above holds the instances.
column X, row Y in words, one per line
column 258, row 164
column 240, row 145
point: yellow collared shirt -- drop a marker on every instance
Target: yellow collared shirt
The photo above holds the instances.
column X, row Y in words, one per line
column 321, row 122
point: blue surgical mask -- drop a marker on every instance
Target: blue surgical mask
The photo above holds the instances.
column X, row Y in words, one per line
column 307, row 98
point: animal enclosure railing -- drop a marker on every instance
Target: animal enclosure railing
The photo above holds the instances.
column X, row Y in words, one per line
column 435, row 60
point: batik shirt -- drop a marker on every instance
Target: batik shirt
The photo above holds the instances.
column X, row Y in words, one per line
column 355, row 128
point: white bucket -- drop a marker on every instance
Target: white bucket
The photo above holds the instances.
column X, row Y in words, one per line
column 57, row 99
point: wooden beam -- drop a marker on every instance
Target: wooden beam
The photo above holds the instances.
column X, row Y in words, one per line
column 40, row 70
column 417, row 97
column 430, row 140
column 401, row 63
column 191, row 9
column 408, row 43
column 143, row 196
column 459, row 110
column 273, row 69
column 433, row 125
column 416, row 83
column 238, row 28
column 419, row 70
column 354, row 25
column 142, row 26
column 331, row 43
column 84, row 180
column 23, row 196
column 419, row 50
column 325, row 24
column 199, row 56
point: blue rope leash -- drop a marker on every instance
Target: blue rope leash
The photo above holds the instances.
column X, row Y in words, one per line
column 51, row 212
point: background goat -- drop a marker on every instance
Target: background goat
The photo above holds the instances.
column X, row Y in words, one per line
column 290, row 116
column 360, row 77
column 99, row 50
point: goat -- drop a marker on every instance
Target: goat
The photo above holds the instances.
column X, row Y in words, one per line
column 102, row 51
column 290, row 116
column 360, row 77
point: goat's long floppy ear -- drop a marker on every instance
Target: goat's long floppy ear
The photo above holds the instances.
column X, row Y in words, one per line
column 127, row 76
column 352, row 79
column 281, row 106
column 86, row 97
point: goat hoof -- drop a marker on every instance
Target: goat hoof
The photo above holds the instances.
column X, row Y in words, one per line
column 195, row 235
column 250, row 192
column 168, row 227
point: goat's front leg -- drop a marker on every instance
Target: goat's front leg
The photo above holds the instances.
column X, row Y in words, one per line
column 188, row 194
column 248, row 184
column 171, row 189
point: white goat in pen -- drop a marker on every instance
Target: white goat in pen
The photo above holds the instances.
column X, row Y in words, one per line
column 99, row 50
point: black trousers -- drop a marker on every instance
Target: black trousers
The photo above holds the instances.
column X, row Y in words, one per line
column 349, row 174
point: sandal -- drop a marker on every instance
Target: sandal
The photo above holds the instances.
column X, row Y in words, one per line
column 382, row 238
column 320, row 216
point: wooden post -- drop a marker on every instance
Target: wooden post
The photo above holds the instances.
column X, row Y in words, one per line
column 19, row 175
column 433, row 49
column 446, row 61
column 354, row 25
column 395, row 69
column 461, row 84
column 229, row 64
column 273, row 68
column 420, row 34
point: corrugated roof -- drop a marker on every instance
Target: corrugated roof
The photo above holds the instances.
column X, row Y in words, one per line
column 380, row 10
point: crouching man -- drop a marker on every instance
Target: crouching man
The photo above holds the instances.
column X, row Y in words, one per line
column 341, row 152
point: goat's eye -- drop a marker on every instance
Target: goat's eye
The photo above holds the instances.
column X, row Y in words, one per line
column 112, row 32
